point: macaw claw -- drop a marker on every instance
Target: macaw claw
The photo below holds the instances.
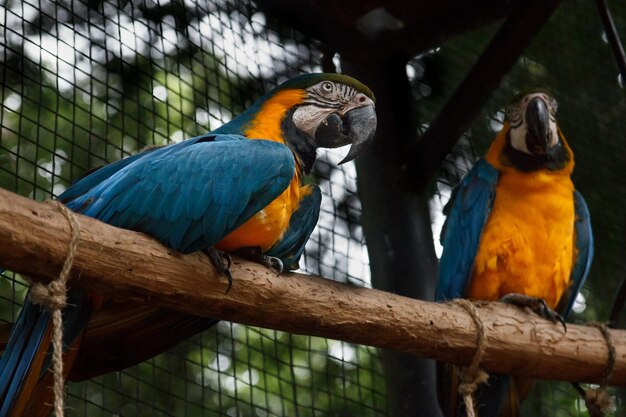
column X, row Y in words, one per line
column 274, row 263
column 221, row 261
column 538, row 305
column 254, row 254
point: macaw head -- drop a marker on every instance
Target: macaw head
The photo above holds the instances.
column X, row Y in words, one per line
column 335, row 110
column 313, row 111
column 534, row 140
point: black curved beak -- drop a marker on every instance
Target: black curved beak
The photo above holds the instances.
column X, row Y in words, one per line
column 538, row 122
column 356, row 127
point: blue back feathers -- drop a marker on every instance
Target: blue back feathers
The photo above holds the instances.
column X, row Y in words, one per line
column 188, row 195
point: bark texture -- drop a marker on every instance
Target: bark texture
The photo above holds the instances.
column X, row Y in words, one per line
column 119, row 263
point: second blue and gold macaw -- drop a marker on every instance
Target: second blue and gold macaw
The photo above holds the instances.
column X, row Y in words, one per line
column 517, row 228
column 236, row 189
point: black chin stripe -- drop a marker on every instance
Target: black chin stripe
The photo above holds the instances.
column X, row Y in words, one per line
column 316, row 101
column 555, row 159
column 334, row 99
column 300, row 144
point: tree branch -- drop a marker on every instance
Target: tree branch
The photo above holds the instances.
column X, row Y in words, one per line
column 124, row 264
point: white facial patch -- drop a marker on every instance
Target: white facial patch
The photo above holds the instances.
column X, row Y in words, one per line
column 518, row 138
column 323, row 99
column 309, row 116
column 519, row 125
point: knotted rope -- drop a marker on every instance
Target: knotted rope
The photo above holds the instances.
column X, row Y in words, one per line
column 471, row 376
column 598, row 400
column 53, row 297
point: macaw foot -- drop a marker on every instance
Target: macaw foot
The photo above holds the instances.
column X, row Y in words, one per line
column 254, row 254
column 221, row 261
column 538, row 305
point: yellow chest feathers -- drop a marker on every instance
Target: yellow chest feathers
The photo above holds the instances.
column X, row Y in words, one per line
column 527, row 245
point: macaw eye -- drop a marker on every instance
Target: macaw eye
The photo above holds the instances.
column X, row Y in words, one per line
column 510, row 111
column 554, row 106
column 327, row 87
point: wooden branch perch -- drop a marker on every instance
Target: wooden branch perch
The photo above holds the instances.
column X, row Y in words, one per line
column 124, row 264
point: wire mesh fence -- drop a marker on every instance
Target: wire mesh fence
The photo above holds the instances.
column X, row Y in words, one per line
column 85, row 83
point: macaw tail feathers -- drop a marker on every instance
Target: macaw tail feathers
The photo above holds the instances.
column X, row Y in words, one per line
column 499, row 397
column 121, row 335
column 25, row 379
column 23, row 359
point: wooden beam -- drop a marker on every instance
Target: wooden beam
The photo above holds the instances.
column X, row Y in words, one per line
column 380, row 29
column 511, row 40
column 124, row 264
column 613, row 37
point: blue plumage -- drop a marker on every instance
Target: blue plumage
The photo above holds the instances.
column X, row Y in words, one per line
column 470, row 205
column 469, row 208
column 584, row 246
column 185, row 195
column 23, row 346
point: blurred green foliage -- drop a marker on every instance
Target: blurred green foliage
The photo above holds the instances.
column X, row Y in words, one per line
column 244, row 371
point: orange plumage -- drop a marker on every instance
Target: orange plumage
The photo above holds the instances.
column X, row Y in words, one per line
column 527, row 245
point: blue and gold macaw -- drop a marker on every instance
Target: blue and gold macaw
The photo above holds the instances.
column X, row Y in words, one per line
column 236, row 189
column 517, row 229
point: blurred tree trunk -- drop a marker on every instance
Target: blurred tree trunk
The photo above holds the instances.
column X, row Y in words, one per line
column 397, row 226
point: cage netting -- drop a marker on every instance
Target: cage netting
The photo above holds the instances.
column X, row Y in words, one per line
column 87, row 83
column 84, row 83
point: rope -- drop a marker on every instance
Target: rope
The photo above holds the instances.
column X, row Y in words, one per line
column 610, row 365
column 598, row 401
column 53, row 297
column 471, row 376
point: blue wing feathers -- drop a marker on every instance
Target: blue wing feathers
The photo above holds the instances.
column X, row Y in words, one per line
column 470, row 207
column 215, row 185
column 584, row 249
column 85, row 184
